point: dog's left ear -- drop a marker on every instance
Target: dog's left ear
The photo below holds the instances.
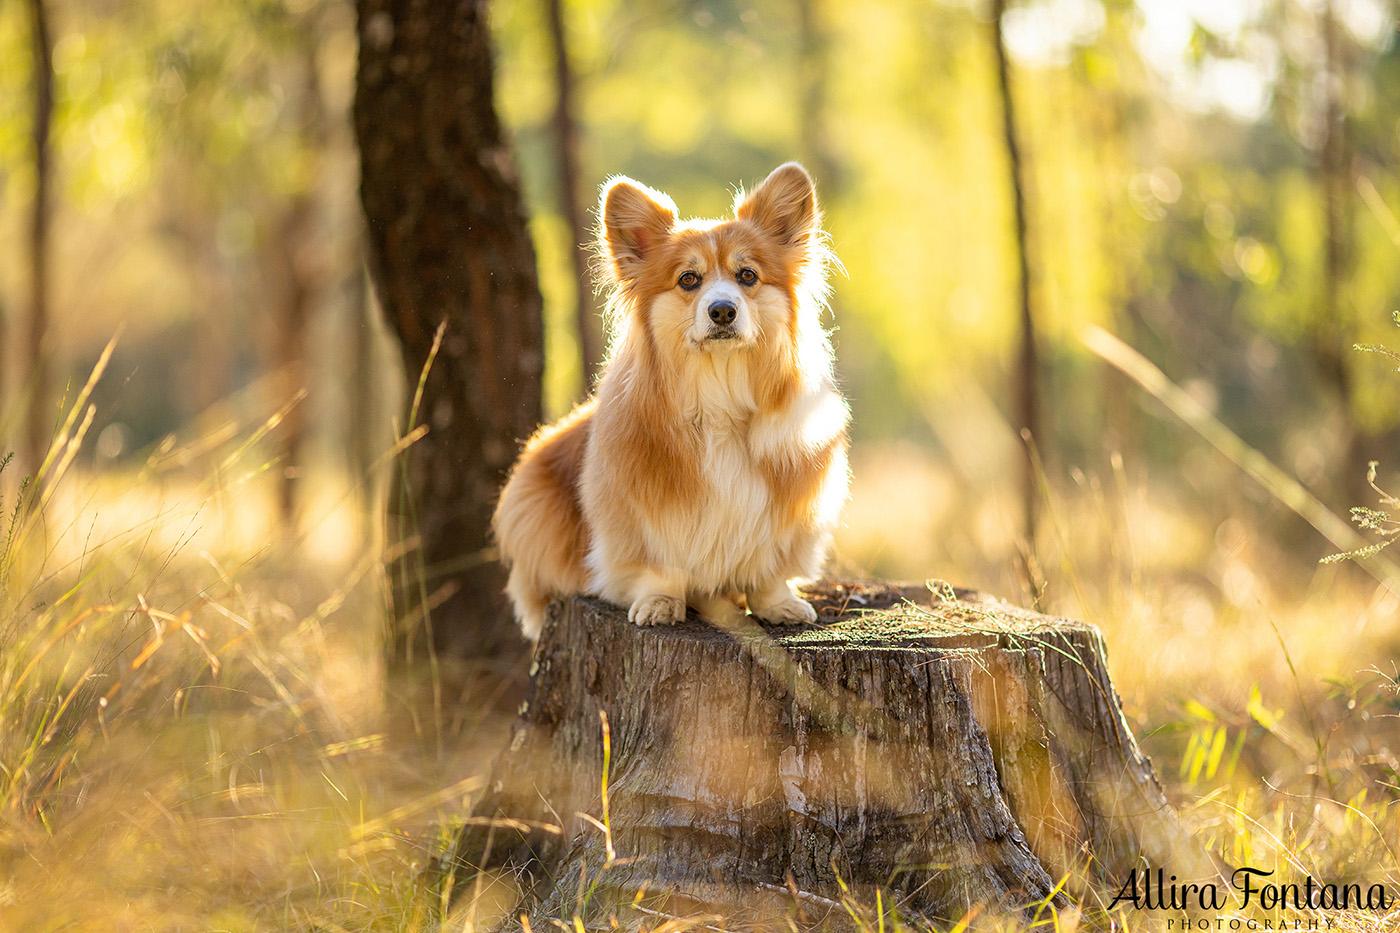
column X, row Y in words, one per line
column 785, row 205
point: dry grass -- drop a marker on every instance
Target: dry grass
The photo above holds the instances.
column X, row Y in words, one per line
column 1264, row 687
column 196, row 732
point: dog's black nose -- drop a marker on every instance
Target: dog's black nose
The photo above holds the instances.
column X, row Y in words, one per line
column 722, row 312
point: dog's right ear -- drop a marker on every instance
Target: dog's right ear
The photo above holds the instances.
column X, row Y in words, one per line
column 635, row 220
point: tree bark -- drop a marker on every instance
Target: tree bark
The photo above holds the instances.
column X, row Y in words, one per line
column 959, row 754
column 590, row 340
column 1027, row 366
column 448, row 245
column 40, row 420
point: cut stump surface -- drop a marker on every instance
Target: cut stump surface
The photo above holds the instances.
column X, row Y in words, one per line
column 949, row 750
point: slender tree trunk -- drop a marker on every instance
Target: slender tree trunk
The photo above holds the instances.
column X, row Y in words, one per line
column 40, row 420
column 216, row 344
column 813, row 68
column 363, row 413
column 1336, row 321
column 1112, row 117
column 5, row 368
column 449, row 246
column 294, row 291
column 1027, row 376
column 6, row 363
column 566, row 146
column 296, row 274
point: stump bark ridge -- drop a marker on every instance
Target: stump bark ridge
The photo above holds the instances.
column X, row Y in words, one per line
column 950, row 751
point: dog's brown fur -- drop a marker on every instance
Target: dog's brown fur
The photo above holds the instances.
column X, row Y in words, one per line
column 711, row 463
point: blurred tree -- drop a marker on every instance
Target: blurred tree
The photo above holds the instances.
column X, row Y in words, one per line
column 565, row 125
column 1334, row 330
column 39, row 423
column 1302, row 267
column 1196, row 228
column 361, row 409
column 293, row 261
column 1027, row 375
column 1111, row 88
column 5, row 364
column 814, row 70
column 448, row 247
column 188, row 167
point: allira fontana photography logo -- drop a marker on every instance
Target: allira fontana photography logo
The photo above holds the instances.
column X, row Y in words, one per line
column 1248, row 889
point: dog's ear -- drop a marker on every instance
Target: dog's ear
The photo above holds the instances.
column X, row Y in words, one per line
column 785, row 205
column 635, row 219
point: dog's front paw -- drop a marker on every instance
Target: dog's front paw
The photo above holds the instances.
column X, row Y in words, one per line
column 788, row 611
column 657, row 610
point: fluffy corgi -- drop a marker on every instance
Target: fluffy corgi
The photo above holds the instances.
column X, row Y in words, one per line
column 709, row 468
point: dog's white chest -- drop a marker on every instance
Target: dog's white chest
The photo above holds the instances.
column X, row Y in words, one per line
column 739, row 494
column 732, row 526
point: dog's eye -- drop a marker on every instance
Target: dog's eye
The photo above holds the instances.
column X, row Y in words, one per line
column 689, row 281
column 746, row 276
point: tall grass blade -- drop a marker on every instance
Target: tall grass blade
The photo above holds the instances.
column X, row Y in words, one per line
column 1277, row 483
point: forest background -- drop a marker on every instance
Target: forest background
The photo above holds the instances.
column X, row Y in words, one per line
column 1213, row 183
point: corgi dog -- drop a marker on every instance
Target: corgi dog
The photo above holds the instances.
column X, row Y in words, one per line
column 709, row 468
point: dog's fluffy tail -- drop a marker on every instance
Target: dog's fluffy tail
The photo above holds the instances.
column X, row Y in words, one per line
column 529, row 601
column 539, row 524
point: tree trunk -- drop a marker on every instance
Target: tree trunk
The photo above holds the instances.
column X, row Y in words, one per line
column 363, row 414
column 1114, row 112
column 217, row 340
column 1027, row 377
column 7, row 362
column 296, row 274
column 40, row 421
column 960, row 754
column 293, row 288
column 590, row 340
column 813, row 69
column 448, row 244
column 1336, row 328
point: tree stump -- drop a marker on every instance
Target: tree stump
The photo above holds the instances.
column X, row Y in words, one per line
column 952, row 754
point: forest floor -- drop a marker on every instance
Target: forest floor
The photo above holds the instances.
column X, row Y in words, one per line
column 196, row 731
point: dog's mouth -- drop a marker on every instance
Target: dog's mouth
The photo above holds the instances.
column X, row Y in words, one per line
column 719, row 338
column 724, row 335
